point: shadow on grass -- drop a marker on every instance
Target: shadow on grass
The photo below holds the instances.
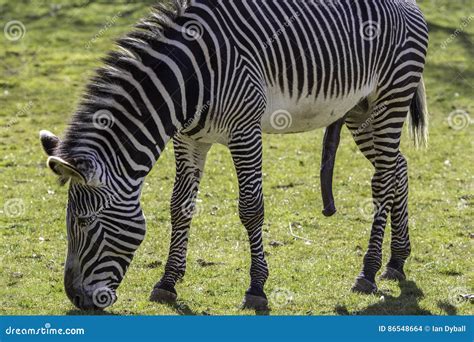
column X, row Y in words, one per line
column 461, row 35
column 405, row 304
column 180, row 307
column 263, row 312
column 77, row 312
column 183, row 309
column 455, row 74
column 447, row 307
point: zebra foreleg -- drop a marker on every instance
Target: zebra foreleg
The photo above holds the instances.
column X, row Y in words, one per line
column 190, row 158
column 246, row 150
column 400, row 244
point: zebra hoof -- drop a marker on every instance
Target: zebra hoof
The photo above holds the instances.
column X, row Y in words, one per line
column 255, row 302
column 364, row 286
column 393, row 274
column 163, row 296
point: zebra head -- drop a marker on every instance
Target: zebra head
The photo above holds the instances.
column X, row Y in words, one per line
column 104, row 227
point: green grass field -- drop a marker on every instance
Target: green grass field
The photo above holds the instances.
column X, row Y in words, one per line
column 42, row 76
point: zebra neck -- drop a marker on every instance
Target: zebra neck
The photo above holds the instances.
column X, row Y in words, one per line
column 126, row 137
column 148, row 91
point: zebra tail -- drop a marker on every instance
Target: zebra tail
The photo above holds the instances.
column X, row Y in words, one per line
column 419, row 117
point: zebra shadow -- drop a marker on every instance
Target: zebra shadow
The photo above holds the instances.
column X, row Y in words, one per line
column 407, row 303
column 77, row 312
column 183, row 309
column 180, row 307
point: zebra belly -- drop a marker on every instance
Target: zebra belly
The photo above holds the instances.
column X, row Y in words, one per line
column 286, row 115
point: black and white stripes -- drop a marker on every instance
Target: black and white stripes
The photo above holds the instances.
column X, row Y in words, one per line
column 215, row 71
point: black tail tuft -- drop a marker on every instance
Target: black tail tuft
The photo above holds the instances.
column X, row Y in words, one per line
column 419, row 116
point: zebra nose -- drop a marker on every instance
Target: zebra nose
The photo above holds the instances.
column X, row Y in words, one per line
column 69, row 286
column 75, row 294
column 98, row 299
column 77, row 301
column 81, row 300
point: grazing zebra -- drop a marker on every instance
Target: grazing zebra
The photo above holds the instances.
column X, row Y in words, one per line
column 224, row 72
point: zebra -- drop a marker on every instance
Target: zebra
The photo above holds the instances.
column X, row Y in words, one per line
column 225, row 72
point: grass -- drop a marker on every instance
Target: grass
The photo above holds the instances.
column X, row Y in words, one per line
column 42, row 77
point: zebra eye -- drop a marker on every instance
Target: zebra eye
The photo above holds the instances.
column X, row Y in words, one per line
column 85, row 221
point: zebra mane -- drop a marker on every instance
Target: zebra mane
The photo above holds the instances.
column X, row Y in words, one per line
column 147, row 31
column 162, row 16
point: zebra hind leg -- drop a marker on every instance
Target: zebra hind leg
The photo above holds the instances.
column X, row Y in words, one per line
column 362, row 132
column 246, row 150
column 190, row 158
column 380, row 142
column 400, row 244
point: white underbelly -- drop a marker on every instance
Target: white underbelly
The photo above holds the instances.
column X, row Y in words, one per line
column 287, row 115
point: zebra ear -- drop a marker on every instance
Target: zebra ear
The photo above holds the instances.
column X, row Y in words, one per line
column 49, row 142
column 65, row 170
